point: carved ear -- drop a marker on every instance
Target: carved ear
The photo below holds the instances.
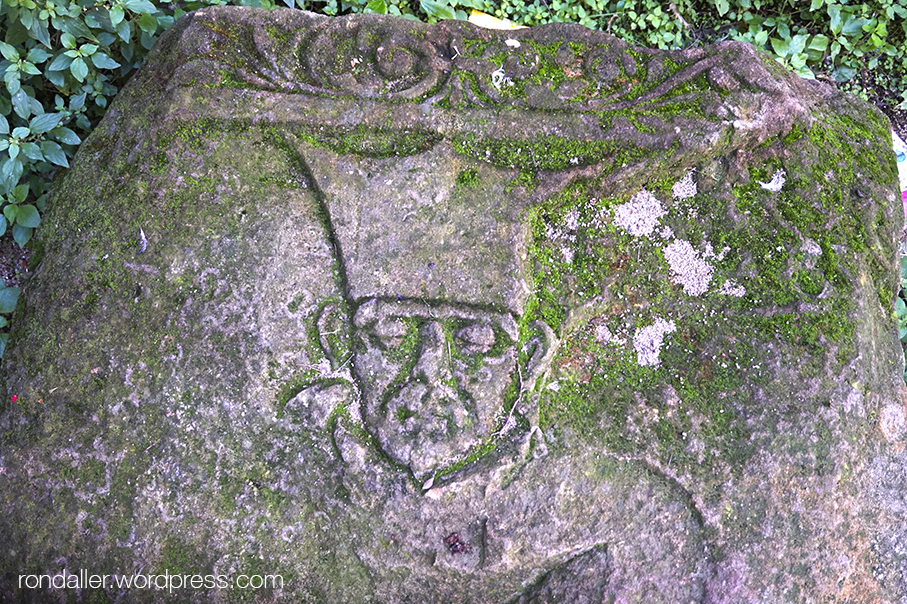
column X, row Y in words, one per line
column 539, row 350
column 334, row 332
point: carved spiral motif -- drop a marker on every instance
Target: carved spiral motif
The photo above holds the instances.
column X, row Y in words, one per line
column 372, row 59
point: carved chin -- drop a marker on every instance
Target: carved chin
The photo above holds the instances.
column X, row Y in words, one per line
column 425, row 429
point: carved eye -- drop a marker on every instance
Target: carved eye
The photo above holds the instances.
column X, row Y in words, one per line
column 477, row 337
column 390, row 331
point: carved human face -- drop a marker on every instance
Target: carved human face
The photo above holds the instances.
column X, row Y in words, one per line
column 433, row 377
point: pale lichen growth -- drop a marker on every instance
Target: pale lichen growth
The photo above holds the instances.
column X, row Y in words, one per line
column 499, row 78
column 648, row 340
column 640, row 215
column 688, row 268
column 731, row 288
column 603, row 335
column 775, row 184
column 685, row 187
column 811, row 247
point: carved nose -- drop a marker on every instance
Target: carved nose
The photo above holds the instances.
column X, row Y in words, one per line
column 434, row 361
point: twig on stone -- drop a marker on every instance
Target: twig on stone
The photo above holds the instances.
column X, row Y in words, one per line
column 677, row 14
column 513, row 406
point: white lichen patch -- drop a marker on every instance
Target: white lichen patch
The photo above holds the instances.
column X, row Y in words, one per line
column 811, row 247
column 893, row 422
column 685, row 187
column 640, row 215
column 512, row 43
column 603, row 335
column 647, row 342
column 688, row 268
column 567, row 234
column 499, row 78
column 775, row 184
column 731, row 288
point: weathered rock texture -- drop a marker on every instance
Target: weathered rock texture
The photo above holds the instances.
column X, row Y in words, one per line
column 411, row 313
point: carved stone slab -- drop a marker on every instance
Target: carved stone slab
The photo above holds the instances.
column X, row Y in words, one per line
column 412, row 313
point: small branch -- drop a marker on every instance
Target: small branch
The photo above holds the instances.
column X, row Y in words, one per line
column 513, row 406
column 677, row 14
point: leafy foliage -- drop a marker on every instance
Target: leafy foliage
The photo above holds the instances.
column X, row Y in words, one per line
column 8, row 298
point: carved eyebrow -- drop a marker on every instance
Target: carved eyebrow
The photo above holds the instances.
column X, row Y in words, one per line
column 478, row 336
column 390, row 327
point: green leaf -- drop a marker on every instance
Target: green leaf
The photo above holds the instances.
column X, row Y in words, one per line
column 3, row 323
column 78, row 29
column 9, row 211
column 32, row 151
column 797, row 44
column 54, row 153
column 116, row 15
column 4, row 337
column 30, row 68
column 8, row 298
column 27, row 17
column 21, row 234
column 39, row 31
column 147, row 23
column 21, row 105
column 140, row 6
column 4, row 125
column 438, row 10
column 56, row 78
column 854, row 26
column 28, row 216
column 10, row 171
column 68, row 40
column 784, row 30
column 9, row 52
column 13, row 85
column 105, row 38
column 844, row 73
column 13, row 150
column 376, row 6
column 66, row 136
column 146, row 40
column 20, row 193
column 88, row 49
column 77, row 102
column 124, row 31
column 818, row 42
column 79, row 69
column 61, row 62
column 781, row 47
column 2, row 226
column 816, row 5
column 102, row 61
column 38, row 55
column 44, row 122
column 837, row 21
column 761, row 38
column 723, row 7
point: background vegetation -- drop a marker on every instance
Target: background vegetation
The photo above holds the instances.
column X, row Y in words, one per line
column 64, row 60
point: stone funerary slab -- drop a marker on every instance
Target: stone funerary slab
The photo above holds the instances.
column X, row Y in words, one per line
column 430, row 313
